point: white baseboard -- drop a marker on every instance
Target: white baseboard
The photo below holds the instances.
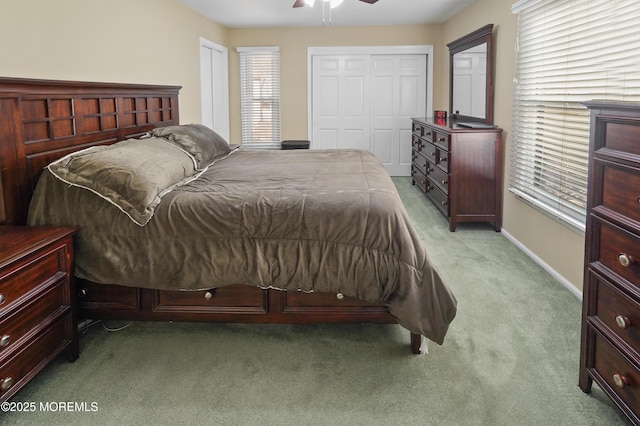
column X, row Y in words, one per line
column 576, row 292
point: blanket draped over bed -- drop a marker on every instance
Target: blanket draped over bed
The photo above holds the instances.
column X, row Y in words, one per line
column 308, row 220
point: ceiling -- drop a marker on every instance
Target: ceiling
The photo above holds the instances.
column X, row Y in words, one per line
column 280, row 13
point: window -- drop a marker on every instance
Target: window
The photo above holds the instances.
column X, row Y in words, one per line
column 568, row 52
column 260, row 96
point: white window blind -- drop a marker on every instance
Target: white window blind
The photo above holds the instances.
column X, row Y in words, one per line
column 568, row 52
column 260, row 96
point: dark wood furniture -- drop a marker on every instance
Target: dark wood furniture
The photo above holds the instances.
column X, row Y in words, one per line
column 41, row 121
column 459, row 169
column 37, row 309
column 480, row 38
column 610, row 350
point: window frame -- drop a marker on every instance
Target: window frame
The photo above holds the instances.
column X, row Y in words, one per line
column 264, row 62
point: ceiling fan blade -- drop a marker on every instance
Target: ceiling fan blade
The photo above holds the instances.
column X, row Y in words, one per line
column 300, row 3
column 369, row 1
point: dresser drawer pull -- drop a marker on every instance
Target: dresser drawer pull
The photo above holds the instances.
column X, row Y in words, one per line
column 5, row 340
column 82, row 292
column 208, row 295
column 623, row 322
column 6, row 383
column 625, row 260
column 432, row 153
column 441, row 139
column 444, row 203
column 444, row 182
column 3, row 297
column 339, row 296
column 620, row 380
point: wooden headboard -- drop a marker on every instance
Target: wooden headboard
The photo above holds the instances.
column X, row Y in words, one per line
column 43, row 120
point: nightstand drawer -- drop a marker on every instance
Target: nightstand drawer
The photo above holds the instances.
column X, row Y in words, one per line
column 14, row 328
column 18, row 283
column 28, row 362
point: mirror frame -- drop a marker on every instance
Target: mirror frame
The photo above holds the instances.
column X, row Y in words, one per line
column 479, row 36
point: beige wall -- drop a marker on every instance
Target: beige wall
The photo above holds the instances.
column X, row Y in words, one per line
column 156, row 41
column 556, row 245
column 293, row 43
column 125, row 41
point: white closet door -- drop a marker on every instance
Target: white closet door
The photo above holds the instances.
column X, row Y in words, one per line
column 366, row 102
column 214, row 87
column 398, row 93
column 340, row 102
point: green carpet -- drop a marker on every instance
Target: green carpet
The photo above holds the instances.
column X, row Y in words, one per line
column 510, row 358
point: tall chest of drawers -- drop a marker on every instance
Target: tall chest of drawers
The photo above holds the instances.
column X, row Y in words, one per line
column 37, row 313
column 459, row 169
column 610, row 347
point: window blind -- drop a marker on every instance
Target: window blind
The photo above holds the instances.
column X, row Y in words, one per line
column 260, row 96
column 568, row 52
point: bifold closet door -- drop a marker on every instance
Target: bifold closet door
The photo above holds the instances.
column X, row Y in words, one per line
column 366, row 102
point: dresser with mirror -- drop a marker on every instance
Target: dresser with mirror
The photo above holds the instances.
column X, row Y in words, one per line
column 457, row 161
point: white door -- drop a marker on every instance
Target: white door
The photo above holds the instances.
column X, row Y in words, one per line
column 214, row 87
column 398, row 93
column 341, row 99
column 366, row 102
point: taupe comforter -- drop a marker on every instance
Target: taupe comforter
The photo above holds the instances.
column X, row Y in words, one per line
column 324, row 221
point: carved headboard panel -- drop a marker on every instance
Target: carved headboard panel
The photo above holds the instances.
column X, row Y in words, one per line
column 43, row 120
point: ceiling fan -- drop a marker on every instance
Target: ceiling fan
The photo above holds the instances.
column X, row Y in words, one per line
column 300, row 3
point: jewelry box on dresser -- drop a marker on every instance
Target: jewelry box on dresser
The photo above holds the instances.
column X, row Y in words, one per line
column 610, row 347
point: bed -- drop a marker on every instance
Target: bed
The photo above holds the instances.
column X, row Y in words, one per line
column 297, row 236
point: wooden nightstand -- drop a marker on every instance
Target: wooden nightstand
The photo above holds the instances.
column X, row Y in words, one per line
column 37, row 302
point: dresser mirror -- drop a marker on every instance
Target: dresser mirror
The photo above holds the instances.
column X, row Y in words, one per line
column 471, row 77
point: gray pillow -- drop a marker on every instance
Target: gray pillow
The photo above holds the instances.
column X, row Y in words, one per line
column 201, row 142
column 133, row 175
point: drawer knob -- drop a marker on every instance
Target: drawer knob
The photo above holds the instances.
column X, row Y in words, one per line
column 620, row 380
column 82, row 292
column 339, row 296
column 5, row 340
column 444, row 203
column 444, row 182
column 208, row 295
column 3, row 297
column 625, row 260
column 433, row 153
column 623, row 322
column 6, row 383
